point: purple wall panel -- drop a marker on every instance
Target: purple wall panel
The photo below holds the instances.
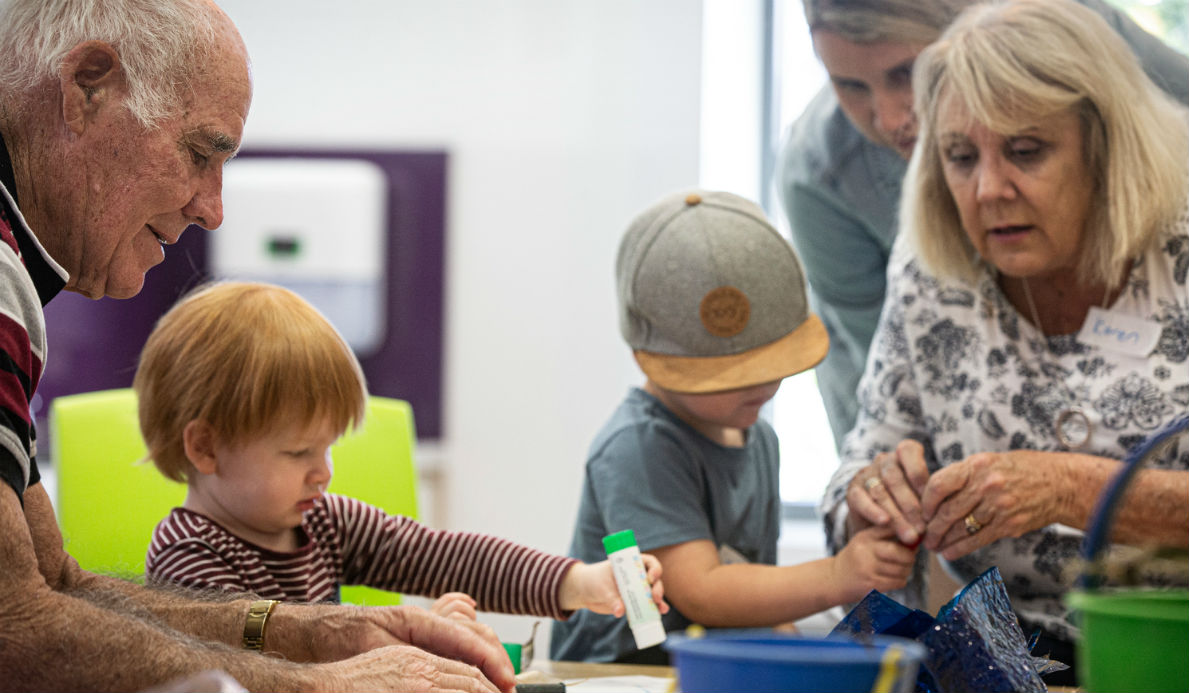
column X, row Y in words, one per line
column 93, row 345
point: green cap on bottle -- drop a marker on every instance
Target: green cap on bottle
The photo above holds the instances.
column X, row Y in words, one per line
column 619, row 540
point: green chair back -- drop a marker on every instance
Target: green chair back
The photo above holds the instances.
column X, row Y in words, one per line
column 375, row 465
column 109, row 499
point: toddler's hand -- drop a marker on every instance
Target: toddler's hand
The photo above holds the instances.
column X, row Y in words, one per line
column 455, row 605
column 873, row 559
column 592, row 586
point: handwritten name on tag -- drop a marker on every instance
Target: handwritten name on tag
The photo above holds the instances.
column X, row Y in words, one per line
column 1125, row 334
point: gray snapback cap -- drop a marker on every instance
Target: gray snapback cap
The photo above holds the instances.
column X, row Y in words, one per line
column 712, row 297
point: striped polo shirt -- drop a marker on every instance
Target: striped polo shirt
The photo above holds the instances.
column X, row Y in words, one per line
column 29, row 278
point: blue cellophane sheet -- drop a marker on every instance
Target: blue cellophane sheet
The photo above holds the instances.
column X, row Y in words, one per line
column 974, row 644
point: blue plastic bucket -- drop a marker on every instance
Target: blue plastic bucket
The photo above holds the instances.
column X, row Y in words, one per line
column 763, row 661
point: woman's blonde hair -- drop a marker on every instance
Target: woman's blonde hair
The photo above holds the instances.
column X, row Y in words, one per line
column 1012, row 62
column 248, row 359
column 873, row 21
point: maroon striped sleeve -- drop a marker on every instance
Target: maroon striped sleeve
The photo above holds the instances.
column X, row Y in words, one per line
column 399, row 554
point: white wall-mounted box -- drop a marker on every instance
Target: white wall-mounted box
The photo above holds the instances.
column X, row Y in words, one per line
column 316, row 226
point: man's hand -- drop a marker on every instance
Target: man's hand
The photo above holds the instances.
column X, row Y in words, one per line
column 405, row 668
column 334, row 633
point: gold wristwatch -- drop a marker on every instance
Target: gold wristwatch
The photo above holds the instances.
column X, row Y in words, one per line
column 258, row 614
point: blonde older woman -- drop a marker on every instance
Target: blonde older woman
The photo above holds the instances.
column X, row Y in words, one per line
column 843, row 161
column 1036, row 327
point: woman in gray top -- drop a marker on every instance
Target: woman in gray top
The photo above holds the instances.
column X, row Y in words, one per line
column 843, row 161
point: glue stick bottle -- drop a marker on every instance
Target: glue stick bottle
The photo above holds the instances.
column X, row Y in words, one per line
column 628, row 567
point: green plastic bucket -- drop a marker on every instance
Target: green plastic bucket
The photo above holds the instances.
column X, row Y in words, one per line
column 1132, row 640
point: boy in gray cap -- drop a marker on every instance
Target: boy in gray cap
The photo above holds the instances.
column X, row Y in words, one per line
column 712, row 302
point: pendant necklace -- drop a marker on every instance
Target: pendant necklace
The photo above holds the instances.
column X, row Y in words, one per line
column 1072, row 427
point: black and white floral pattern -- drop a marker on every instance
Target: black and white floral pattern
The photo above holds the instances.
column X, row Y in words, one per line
column 956, row 366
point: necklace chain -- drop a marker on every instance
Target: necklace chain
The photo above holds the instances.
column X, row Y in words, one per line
column 1072, row 427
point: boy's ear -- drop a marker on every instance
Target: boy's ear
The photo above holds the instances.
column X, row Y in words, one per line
column 198, row 440
column 90, row 77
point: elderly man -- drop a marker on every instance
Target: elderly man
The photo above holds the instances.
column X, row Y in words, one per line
column 116, row 118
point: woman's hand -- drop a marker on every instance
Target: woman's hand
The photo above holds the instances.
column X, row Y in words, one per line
column 886, row 493
column 992, row 495
column 455, row 605
column 592, row 586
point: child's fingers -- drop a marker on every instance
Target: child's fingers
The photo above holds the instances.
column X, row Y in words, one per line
column 460, row 610
column 652, row 566
column 458, row 596
column 895, row 556
column 455, row 605
column 658, row 597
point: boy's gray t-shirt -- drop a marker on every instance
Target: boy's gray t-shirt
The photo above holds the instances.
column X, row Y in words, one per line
column 652, row 473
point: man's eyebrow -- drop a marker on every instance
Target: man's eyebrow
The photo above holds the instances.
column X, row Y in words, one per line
column 837, row 79
column 225, row 143
column 218, row 141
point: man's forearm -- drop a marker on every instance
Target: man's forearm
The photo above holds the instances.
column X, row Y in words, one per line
column 50, row 639
column 221, row 616
column 54, row 641
column 62, row 628
column 206, row 615
column 210, row 617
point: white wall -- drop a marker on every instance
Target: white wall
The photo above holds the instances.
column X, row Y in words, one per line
column 562, row 118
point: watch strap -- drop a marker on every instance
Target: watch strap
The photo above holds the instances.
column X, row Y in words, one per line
column 256, row 622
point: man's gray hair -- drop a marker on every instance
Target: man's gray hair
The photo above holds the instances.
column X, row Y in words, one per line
column 875, row 21
column 161, row 43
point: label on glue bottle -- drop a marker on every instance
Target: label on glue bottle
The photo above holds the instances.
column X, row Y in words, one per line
column 628, row 567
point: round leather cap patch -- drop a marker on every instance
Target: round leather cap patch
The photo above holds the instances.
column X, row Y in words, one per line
column 725, row 311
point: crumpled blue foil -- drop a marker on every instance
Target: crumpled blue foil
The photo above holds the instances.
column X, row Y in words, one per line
column 977, row 644
column 878, row 613
column 974, row 644
column 882, row 615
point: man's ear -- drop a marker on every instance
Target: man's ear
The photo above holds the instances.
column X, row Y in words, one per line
column 90, row 76
column 198, row 440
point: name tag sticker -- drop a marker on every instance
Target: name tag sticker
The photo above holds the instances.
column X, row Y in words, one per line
column 1125, row 334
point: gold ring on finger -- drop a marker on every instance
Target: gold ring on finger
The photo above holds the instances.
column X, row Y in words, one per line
column 872, row 482
column 972, row 525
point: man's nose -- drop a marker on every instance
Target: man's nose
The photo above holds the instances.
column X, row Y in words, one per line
column 205, row 208
column 893, row 110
